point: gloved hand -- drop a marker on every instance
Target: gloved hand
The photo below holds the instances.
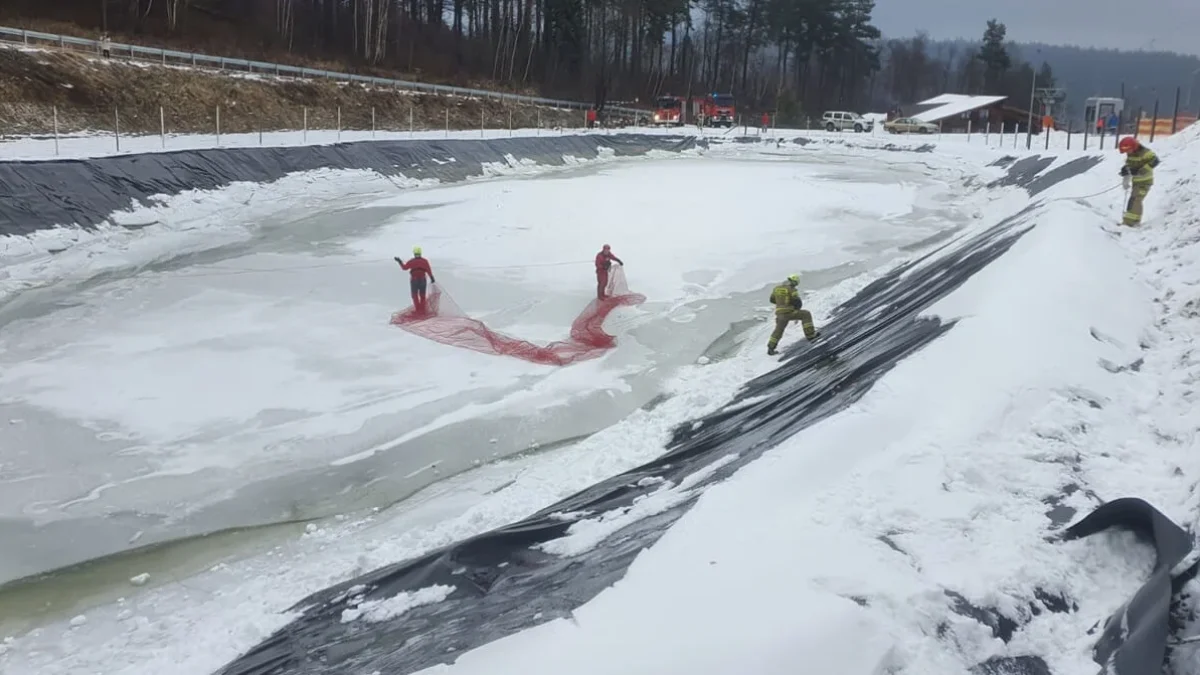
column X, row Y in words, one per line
column 1125, row 171
column 1127, row 182
column 398, row 260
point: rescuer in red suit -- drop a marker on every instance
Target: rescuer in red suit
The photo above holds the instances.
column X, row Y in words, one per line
column 418, row 268
column 604, row 261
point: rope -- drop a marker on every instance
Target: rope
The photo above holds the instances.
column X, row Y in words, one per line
column 1118, row 186
column 238, row 271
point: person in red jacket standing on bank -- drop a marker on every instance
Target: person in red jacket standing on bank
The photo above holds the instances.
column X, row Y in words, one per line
column 417, row 269
column 604, row 261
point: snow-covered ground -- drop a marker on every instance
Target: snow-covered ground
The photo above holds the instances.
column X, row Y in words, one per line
column 949, row 455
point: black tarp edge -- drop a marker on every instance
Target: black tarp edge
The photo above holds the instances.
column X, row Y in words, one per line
column 45, row 194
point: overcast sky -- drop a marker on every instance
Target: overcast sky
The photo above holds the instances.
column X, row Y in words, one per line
column 1160, row 24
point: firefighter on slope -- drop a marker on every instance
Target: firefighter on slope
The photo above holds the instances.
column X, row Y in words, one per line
column 1138, row 175
column 786, row 299
column 418, row 268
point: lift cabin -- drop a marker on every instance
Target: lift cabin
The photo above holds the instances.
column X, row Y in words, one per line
column 668, row 111
column 1103, row 108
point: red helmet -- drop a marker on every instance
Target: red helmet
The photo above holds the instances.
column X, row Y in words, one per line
column 1128, row 144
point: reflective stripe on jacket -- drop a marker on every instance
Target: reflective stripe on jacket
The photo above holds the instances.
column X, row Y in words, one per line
column 785, row 297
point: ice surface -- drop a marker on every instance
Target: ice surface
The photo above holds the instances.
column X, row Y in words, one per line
column 261, row 382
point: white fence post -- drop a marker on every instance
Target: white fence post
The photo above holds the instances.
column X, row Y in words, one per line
column 482, row 113
column 56, row 130
column 117, row 127
column 968, row 131
column 305, row 124
column 987, row 133
column 218, row 126
column 162, row 126
column 447, row 123
column 539, row 121
column 339, row 124
column 410, row 121
column 510, row 121
column 372, row 121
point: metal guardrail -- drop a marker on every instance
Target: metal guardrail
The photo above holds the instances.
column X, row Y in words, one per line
column 172, row 57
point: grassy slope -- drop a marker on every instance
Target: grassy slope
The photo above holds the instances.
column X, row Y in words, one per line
column 87, row 89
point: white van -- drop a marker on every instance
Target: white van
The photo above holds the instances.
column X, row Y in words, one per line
column 838, row 120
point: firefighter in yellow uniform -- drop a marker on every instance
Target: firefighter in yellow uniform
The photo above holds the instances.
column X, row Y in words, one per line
column 1138, row 175
column 786, row 299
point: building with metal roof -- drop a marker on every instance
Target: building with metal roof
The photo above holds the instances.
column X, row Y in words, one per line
column 957, row 112
column 954, row 105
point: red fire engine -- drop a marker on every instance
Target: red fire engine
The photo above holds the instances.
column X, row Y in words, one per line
column 717, row 110
column 668, row 111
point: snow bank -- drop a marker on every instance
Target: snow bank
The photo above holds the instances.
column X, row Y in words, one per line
column 104, row 143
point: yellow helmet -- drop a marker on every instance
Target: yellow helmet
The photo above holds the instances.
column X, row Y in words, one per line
column 416, row 250
column 794, row 279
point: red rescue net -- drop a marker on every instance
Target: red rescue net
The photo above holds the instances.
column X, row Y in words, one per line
column 445, row 322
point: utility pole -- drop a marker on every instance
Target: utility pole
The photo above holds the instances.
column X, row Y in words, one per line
column 1029, row 124
column 104, row 16
column 1032, row 90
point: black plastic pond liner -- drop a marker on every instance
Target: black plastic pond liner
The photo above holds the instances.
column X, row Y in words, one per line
column 503, row 585
column 1134, row 639
column 40, row 195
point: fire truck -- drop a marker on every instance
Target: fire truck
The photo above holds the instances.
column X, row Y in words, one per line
column 718, row 110
column 668, row 111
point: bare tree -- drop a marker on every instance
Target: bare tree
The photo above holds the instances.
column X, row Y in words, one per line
column 173, row 7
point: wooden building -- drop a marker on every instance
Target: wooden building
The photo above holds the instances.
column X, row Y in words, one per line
column 954, row 112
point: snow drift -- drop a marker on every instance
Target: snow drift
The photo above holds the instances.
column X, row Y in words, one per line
column 536, row 578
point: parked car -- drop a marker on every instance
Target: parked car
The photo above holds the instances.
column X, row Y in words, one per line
column 910, row 125
column 837, row 120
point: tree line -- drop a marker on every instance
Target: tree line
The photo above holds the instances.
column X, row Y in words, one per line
column 796, row 57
